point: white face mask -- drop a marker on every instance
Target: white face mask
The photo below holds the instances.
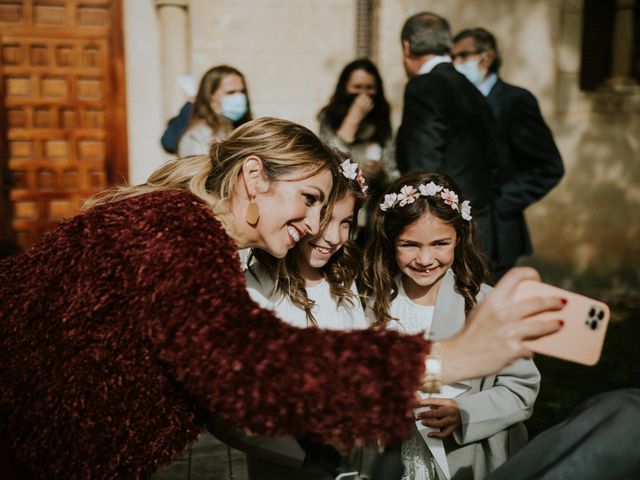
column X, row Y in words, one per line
column 471, row 70
column 234, row 106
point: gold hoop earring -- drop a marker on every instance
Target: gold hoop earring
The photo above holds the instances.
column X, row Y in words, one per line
column 253, row 212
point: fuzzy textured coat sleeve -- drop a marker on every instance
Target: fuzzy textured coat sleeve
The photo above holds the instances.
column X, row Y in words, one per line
column 126, row 325
column 253, row 370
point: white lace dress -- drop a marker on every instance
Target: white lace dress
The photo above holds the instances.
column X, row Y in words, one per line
column 417, row 459
column 413, row 318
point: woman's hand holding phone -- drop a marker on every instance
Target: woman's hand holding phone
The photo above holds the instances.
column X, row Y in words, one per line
column 585, row 324
column 497, row 330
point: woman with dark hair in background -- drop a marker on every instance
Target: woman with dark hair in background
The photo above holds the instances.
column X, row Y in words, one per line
column 221, row 104
column 357, row 121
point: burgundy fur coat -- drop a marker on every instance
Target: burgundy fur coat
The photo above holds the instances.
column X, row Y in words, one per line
column 126, row 325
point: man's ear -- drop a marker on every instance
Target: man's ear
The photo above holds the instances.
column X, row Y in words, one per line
column 489, row 58
column 253, row 176
column 406, row 49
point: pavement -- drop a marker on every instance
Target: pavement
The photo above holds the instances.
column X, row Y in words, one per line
column 210, row 460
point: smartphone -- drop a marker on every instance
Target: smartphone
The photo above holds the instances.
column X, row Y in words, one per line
column 581, row 338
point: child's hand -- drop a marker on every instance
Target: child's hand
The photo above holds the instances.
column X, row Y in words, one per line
column 444, row 414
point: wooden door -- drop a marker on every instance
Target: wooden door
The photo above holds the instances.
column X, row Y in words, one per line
column 63, row 111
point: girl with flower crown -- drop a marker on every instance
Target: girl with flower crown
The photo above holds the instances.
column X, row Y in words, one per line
column 423, row 273
column 314, row 285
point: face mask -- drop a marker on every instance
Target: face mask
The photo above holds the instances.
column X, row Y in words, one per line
column 234, row 106
column 471, row 70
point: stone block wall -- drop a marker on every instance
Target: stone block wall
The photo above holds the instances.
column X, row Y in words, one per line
column 290, row 52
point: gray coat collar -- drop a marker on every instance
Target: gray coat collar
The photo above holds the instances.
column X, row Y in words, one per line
column 448, row 318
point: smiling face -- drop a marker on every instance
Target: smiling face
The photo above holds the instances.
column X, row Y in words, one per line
column 424, row 253
column 313, row 252
column 290, row 209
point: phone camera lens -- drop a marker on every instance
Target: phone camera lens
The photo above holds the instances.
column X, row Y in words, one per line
column 592, row 312
column 593, row 324
column 600, row 315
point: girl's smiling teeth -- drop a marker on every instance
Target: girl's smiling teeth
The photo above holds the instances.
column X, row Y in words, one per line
column 322, row 250
column 424, row 269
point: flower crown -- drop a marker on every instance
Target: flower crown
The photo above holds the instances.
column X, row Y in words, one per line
column 408, row 194
column 352, row 172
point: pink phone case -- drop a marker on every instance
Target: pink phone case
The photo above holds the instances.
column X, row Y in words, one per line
column 581, row 338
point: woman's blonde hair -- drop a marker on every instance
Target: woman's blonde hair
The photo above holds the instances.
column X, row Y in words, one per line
column 284, row 147
column 341, row 269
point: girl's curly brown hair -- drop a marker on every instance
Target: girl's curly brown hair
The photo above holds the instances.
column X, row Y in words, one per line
column 341, row 269
column 377, row 285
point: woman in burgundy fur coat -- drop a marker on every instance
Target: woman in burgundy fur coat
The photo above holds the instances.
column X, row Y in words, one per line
column 128, row 324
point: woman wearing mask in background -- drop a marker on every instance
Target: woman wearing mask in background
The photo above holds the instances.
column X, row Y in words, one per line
column 222, row 104
column 357, row 120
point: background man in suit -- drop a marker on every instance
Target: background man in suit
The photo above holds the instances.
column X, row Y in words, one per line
column 531, row 162
column 447, row 125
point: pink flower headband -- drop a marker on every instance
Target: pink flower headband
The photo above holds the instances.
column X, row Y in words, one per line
column 408, row 194
column 352, row 172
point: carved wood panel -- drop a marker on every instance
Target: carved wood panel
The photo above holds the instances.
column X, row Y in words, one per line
column 63, row 107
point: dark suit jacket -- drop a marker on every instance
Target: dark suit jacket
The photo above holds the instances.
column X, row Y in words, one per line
column 532, row 166
column 447, row 126
column 175, row 128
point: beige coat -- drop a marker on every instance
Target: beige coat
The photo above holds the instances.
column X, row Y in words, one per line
column 495, row 406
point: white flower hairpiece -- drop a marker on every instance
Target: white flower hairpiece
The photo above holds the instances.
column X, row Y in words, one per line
column 408, row 194
column 465, row 210
column 351, row 171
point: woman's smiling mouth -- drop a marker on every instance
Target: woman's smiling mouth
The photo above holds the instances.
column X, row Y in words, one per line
column 294, row 234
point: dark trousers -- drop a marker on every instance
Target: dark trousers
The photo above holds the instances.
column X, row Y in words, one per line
column 600, row 440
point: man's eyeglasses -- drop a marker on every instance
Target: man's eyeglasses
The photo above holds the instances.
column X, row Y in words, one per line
column 463, row 55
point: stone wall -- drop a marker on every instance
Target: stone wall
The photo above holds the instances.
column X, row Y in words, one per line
column 589, row 226
column 144, row 89
column 290, row 51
